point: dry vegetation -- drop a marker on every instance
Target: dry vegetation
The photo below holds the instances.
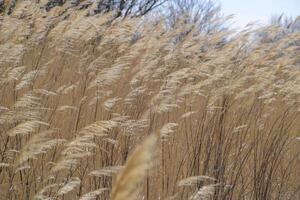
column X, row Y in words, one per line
column 79, row 93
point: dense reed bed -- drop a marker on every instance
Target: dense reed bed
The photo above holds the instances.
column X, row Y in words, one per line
column 78, row 93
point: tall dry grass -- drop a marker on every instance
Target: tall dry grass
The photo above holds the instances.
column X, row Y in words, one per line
column 79, row 93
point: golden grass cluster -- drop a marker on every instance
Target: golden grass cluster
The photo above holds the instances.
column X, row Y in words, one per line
column 78, row 93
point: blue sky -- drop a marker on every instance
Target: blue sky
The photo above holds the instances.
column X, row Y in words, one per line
column 246, row 11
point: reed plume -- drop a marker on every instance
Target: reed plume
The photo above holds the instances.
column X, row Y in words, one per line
column 127, row 182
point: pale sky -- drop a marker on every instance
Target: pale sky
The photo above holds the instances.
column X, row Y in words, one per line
column 246, row 11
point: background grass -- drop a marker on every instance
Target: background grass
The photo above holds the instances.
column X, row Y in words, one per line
column 79, row 93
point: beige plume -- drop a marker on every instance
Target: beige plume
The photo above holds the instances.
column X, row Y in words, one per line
column 127, row 182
